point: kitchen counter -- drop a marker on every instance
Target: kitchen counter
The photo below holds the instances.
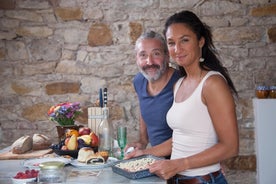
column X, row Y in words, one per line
column 9, row 168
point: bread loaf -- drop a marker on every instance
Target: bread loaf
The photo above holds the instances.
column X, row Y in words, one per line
column 40, row 142
column 22, row 145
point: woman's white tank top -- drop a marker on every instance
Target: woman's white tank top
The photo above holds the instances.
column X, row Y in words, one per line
column 193, row 130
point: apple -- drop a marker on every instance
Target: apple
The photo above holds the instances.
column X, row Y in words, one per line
column 84, row 131
column 94, row 140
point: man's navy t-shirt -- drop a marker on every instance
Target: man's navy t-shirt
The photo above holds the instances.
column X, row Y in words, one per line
column 154, row 108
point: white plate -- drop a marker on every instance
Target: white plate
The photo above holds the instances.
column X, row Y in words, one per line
column 34, row 163
column 78, row 164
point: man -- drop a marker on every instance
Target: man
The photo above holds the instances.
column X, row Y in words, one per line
column 154, row 87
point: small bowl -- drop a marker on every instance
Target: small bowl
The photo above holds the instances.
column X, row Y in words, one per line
column 22, row 181
column 262, row 91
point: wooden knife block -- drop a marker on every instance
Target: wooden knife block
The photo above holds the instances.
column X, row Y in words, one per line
column 95, row 116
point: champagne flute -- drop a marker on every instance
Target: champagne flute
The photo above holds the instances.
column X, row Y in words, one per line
column 122, row 139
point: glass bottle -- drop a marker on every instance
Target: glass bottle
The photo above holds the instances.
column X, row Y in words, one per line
column 105, row 131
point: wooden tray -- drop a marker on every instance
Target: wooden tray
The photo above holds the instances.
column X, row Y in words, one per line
column 8, row 155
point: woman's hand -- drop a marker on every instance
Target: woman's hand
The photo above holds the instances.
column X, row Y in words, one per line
column 165, row 168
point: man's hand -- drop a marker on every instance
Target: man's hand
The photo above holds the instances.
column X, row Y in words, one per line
column 136, row 145
column 135, row 153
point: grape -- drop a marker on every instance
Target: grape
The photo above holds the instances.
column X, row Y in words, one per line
column 55, row 146
column 81, row 141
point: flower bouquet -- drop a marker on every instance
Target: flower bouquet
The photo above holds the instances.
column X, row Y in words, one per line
column 65, row 113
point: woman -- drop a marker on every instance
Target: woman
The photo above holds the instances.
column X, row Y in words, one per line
column 202, row 116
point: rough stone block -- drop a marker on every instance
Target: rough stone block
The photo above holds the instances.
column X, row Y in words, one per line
column 35, row 112
column 17, row 50
column 99, row 35
column 34, row 31
column 45, row 49
column 271, row 32
column 246, row 162
column 24, row 15
column 62, row 88
column 7, row 4
column 135, row 31
column 236, row 34
column 69, row 13
column 20, row 89
column 33, row 4
column 268, row 10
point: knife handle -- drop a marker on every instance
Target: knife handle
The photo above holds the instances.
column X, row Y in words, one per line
column 105, row 96
column 101, row 97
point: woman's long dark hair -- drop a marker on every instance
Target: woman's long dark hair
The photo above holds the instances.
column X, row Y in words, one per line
column 211, row 61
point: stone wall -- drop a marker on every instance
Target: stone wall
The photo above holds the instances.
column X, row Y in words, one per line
column 65, row 50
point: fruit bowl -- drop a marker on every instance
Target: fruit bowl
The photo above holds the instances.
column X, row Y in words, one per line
column 22, row 181
column 72, row 144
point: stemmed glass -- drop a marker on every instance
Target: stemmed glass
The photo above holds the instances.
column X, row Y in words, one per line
column 122, row 139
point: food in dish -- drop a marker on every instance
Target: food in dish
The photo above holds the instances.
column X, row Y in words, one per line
column 135, row 168
column 88, row 156
column 104, row 154
column 136, row 165
column 95, row 159
column 108, row 163
column 84, row 153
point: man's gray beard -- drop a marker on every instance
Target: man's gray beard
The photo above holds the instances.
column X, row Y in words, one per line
column 150, row 78
column 156, row 76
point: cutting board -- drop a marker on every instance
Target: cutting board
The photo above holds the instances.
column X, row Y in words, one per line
column 30, row 154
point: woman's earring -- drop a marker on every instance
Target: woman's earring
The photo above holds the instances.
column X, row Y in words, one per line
column 201, row 59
